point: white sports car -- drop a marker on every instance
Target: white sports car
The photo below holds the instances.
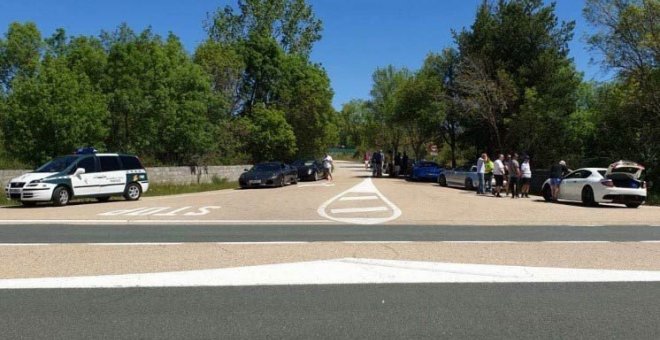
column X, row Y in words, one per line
column 621, row 183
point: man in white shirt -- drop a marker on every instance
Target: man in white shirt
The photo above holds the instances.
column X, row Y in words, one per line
column 481, row 171
column 498, row 172
column 327, row 166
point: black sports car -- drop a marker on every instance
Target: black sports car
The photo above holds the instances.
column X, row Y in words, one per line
column 271, row 174
column 309, row 169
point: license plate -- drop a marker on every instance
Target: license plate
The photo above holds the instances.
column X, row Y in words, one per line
column 255, row 181
column 14, row 191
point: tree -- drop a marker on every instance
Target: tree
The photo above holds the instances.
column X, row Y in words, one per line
column 385, row 130
column 271, row 137
column 52, row 113
column 19, row 53
column 291, row 23
column 516, row 48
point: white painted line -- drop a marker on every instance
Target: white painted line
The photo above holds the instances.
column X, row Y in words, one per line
column 263, row 243
column 24, row 244
column 136, row 244
column 376, row 242
column 479, row 242
column 358, row 198
column 339, row 271
column 650, row 241
column 158, row 221
column 357, row 210
column 577, row 242
column 316, row 185
column 364, row 187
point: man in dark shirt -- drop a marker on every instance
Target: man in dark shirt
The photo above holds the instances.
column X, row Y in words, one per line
column 557, row 172
column 514, row 175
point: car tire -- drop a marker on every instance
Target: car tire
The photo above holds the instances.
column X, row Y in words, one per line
column 588, row 197
column 28, row 203
column 295, row 180
column 316, row 176
column 468, row 184
column 103, row 199
column 61, row 196
column 633, row 205
column 442, row 181
column 282, row 181
column 547, row 193
column 133, row 192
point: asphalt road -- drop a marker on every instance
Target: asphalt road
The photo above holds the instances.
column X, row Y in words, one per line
column 559, row 310
column 309, row 233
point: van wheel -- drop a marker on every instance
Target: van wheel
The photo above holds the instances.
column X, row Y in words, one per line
column 442, row 181
column 588, row 197
column 61, row 196
column 547, row 193
column 133, row 192
column 103, row 199
column 633, row 205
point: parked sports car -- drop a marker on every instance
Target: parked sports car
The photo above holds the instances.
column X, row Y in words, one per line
column 622, row 182
column 464, row 177
column 425, row 171
column 309, row 169
column 270, row 174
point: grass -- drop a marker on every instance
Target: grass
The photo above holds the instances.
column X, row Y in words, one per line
column 162, row 189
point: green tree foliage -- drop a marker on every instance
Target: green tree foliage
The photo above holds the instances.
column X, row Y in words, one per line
column 52, row 113
column 385, row 130
column 19, row 53
column 157, row 97
column 352, row 122
column 628, row 36
column 291, row 23
column 516, row 78
column 270, row 137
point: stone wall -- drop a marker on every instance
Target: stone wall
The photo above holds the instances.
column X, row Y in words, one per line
column 177, row 175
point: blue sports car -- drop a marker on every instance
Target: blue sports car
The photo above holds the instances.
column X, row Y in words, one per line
column 425, row 171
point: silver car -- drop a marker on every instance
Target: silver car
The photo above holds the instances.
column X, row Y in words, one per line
column 464, row 177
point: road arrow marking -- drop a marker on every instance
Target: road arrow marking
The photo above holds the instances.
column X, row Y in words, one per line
column 364, row 187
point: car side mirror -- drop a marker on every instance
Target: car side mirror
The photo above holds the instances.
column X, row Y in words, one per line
column 246, row 170
column 79, row 172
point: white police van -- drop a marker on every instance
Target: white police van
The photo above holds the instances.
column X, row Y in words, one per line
column 85, row 174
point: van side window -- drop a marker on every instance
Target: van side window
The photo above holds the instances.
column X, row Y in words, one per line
column 87, row 163
column 109, row 163
column 130, row 163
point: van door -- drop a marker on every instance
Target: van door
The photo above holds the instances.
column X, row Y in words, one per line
column 112, row 175
column 89, row 182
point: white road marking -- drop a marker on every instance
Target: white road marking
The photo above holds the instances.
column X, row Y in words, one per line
column 316, row 185
column 357, row 210
column 358, row 198
column 364, row 187
column 24, row 244
column 136, row 244
column 339, row 271
column 157, row 221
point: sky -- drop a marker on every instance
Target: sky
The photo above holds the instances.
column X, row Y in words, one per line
column 358, row 35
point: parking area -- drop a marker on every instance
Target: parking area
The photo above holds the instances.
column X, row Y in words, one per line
column 353, row 198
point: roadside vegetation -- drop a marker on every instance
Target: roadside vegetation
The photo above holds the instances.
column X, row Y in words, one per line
column 165, row 189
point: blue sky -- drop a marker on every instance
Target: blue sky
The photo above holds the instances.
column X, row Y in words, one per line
column 358, row 36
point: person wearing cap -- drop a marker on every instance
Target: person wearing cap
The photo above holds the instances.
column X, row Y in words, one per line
column 526, row 178
column 557, row 172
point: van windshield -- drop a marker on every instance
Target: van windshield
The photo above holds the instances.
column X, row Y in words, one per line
column 58, row 164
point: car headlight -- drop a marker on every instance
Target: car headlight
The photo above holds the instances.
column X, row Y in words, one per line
column 309, row 171
column 35, row 181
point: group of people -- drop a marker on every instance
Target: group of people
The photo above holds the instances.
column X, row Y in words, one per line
column 381, row 163
column 518, row 175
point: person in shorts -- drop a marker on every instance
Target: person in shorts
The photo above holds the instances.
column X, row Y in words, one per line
column 498, row 172
column 514, row 176
column 557, row 172
column 526, row 179
column 327, row 167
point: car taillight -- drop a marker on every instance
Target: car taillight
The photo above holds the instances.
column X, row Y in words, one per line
column 644, row 185
column 607, row 183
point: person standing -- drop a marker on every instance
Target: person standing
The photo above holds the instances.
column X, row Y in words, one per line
column 488, row 176
column 367, row 160
column 481, row 170
column 404, row 163
column 397, row 164
column 557, row 172
column 327, row 166
column 498, row 171
column 514, row 176
column 526, row 171
column 507, row 171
